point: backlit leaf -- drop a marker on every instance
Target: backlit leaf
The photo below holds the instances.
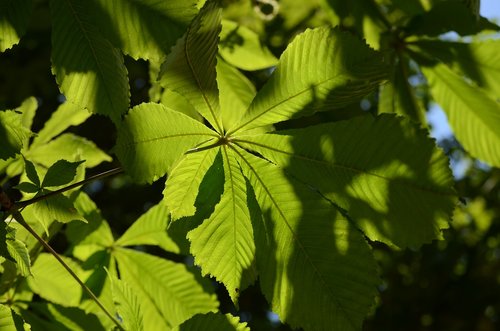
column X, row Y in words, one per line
column 315, row 267
column 89, row 70
column 322, row 69
column 152, row 138
column 223, row 244
column 190, row 67
column 405, row 200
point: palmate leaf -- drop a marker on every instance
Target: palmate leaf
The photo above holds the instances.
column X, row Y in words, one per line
column 389, row 177
column 472, row 114
column 181, row 188
column 152, row 137
column 14, row 19
column 144, row 29
column 315, row 267
column 213, row 321
column 190, row 67
column 321, row 69
column 89, row 71
column 169, row 294
column 223, row 244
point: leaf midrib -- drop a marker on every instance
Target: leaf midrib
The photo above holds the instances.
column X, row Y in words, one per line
column 296, row 239
column 345, row 167
column 92, row 49
column 307, row 89
column 137, row 142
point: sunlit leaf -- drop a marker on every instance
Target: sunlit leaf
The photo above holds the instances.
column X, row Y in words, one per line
column 474, row 117
column 89, row 70
column 242, row 48
column 14, row 19
column 152, row 137
column 404, row 200
column 322, row 69
column 12, row 133
column 315, row 267
column 150, row 229
column 181, row 188
column 144, row 29
column 223, row 244
column 127, row 305
column 169, row 294
column 190, row 67
column 213, row 321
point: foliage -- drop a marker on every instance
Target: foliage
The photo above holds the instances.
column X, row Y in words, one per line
column 277, row 178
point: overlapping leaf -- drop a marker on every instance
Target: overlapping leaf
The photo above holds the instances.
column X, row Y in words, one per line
column 472, row 114
column 13, row 134
column 223, row 244
column 315, row 268
column 190, row 68
column 152, row 137
column 127, row 305
column 89, row 70
column 388, row 176
column 144, row 29
column 322, row 69
column 14, row 19
column 169, row 294
column 181, row 188
column 150, row 229
column 212, row 321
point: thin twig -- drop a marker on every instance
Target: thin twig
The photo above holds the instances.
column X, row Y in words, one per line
column 19, row 218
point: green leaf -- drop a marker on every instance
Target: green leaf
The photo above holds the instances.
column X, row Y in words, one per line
column 213, row 321
column 127, row 305
column 96, row 232
column 66, row 115
column 175, row 101
column 322, row 69
column 89, row 71
column 223, row 244
column 56, row 208
column 60, row 173
column 169, row 294
column 50, row 317
column 242, row 48
column 13, row 134
column 181, row 188
column 52, row 282
column 152, row 138
column 315, row 268
column 236, row 93
column 386, row 173
column 19, row 253
column 479, row 61
column 27, row 109
column 27, row 187
column 474, row 117
column 14, row 20
column 31, row 172
column 190, row 67
column 144, row 29
column 10, row 321
column 69, row 147
column 447, row 16
column 398, row 96
column 150, row 229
